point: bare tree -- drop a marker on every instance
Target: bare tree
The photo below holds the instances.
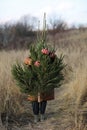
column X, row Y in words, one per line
column 30, row 22
column 57, row 25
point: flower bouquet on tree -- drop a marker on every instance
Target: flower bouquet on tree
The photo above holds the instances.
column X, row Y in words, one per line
column 41, row 71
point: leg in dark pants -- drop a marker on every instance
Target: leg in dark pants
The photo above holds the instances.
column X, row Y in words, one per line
column 42, row 110
column 35, row 106
column 43, row 107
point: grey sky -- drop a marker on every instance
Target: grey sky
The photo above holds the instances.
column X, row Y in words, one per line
column 72, row 11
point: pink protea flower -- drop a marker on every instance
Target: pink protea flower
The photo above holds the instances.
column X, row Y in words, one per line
column 37, row 63
column 45, row 51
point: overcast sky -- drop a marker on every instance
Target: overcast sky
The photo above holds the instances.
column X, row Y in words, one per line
column 72, row 11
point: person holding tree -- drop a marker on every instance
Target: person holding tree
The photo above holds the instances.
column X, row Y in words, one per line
column 39, row 75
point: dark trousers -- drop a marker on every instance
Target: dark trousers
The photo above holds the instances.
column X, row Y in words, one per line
column 39, row 107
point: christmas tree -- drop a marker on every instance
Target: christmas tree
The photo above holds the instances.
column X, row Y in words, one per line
column 41, row 71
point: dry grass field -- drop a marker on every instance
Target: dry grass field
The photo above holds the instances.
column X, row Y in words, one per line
column 69, row 109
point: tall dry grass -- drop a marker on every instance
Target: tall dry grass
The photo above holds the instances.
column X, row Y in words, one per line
column 9, row 93
column 74, row 48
